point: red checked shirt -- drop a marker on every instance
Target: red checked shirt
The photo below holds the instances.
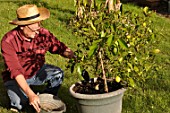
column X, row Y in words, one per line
column 27, row 57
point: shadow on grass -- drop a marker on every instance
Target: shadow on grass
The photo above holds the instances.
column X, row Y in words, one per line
column 68, row 100
column 161, row 7
column 4, row 101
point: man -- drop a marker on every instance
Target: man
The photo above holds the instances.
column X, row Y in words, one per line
column 23, row 50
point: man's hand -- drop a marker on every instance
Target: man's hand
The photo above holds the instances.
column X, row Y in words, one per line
column 33, row 98
column 68, row 53
column 35, row 102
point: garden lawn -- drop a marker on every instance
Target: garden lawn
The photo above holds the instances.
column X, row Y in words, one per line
column 151, row 97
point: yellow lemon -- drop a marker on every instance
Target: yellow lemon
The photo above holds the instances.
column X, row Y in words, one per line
column 156, row 51
column 118, row 79
column 128, row 36
column 144, row 24
column 97, row 87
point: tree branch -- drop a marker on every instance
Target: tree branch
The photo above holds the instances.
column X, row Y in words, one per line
column 104, row 74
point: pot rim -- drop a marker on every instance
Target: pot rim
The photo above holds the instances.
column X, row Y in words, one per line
column 95, row 96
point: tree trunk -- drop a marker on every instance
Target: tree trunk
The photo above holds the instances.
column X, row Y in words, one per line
column 104, row 74
column 113, row 6
column 117, row 1
column 110, row 5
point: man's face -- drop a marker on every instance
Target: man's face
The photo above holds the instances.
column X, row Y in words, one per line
column 31, row 30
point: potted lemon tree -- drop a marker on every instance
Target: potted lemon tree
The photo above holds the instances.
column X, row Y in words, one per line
column 117, row 50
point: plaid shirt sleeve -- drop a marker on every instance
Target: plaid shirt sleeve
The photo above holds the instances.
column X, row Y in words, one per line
column 10, row 57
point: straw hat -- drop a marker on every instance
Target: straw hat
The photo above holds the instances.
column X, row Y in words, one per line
column 29, row 14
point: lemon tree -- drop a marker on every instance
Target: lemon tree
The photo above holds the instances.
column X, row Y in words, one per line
column 115, row 44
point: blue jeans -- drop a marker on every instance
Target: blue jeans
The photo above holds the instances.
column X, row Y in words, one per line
column 49, row 74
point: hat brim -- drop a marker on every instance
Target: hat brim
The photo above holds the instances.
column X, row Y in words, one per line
column 44, row 14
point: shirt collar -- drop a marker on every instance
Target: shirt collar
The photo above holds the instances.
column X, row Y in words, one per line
column 19, row 34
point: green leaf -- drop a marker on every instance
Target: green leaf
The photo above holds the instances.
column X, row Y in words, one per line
column 120, row 59
column 145, row 10
column 109, row 40
column 136, row 69
column 130, row 65
column 82, row 58
column 97, row 41
column 85, row 29
column 122, row 43
column 115, row 27
column 85, row 2
column 92, row 26
column 72, row 67
column 79, row 70
column 112, row 29
column 131, row 82
column 103, row 34
column 92, row 49
column 147, row 67
column 108, row 53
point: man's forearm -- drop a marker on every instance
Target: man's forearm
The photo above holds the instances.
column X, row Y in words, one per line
column 23, row 85
column 33, row 98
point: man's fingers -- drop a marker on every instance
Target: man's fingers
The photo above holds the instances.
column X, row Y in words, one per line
column 38, row 102
column 36, row 108
column 35, row 104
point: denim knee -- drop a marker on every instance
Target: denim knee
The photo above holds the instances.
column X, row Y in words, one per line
column 56, row 77
column 17, row 98
column 54, row 80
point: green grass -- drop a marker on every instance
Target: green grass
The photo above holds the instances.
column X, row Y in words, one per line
column 152, row 97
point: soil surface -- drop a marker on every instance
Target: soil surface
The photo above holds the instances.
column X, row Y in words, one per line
column 91, row 87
